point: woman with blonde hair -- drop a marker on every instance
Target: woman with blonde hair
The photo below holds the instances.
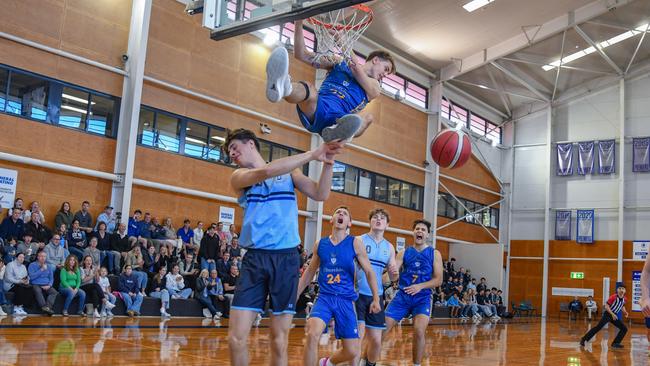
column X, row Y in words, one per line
column 201, row 293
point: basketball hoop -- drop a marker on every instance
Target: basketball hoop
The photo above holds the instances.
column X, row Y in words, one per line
column 337, row 31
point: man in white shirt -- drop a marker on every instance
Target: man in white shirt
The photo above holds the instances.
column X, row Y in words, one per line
column 198, row 234
column 591, row 306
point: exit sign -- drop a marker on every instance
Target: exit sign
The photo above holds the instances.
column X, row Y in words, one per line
column 577, row 275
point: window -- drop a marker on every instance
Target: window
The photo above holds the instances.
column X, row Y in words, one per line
column 470, row 208
column 265, row 151
column 103, row 111
column 146, row 135
column 351, row 178
column 365, row 182
column 338, row 177
column 416, row 94
column 494, row 133
column 486, row 217
column 4, row 74
column 167, row 132
column 494, row 218
column 279, row 152
column 393, row 191
column 445, row 108
column 217, row 137
column 417, row 196
column 458, row 115
column 196, row 140
column 381, row 188
column 27, row 96
column 405, row 195
column 477, row 124
column 74, row 108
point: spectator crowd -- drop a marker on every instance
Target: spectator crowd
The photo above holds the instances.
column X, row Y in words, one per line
column 143, row 256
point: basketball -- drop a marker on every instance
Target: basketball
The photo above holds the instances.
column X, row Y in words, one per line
column 451, row 149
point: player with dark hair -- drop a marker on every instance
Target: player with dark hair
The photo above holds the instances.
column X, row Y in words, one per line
column 269, row 232
column 330, row 111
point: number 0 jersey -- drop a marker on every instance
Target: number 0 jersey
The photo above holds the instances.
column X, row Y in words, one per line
column 337, row 269
column 417, row 267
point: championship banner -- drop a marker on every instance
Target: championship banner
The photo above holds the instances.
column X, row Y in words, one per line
column 606, row 157
column 641, row 154
column 636, row 290
column 585, row 226
column 562, row 225
column 585, row 157
column 640, row 249
column 564, row 159
column 8, row 183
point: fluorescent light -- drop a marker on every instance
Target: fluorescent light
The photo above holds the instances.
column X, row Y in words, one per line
column 218, row 138
column 197, row 141
column 76, row 99
column 270, row 38
column 604, row 44
column 476, row 4
column 73, row 109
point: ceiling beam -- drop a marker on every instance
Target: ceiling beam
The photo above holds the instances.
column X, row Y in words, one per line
column 501, row 91
column 521, row 81
column 638, row 46
column 550, row 28
column 519, row 59
column 614, row 26
column 474, row 99
column 557, row 73
column 598, row 49
column 481, row 86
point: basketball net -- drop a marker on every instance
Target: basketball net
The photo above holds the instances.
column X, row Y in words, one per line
column 337, row 31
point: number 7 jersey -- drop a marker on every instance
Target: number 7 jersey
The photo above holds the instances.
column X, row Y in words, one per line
column 337, row 268
column 417, row 267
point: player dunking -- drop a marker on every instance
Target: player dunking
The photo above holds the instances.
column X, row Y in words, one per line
column 270, row 233
column 421, row 271
column 332, row 110
column 334, row 257
column 382, row 256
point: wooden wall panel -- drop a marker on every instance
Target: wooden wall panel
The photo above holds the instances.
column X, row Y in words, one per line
column 51, row 188
column 571, row 249
column 526, row 281
column 43, row 141
column 527, row 248
column 443, row 247
column 466, row 231
column 594, row 271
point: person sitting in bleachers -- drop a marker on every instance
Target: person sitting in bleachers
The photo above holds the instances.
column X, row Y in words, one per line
column 130, row 291
column 215, row 291
column 41, row 277
column 85, row 218
column 12, row 226
column 10, row 249
column 209, row 250
column 151, row 261
column 230, row 282
column 70, row 285
column 108, row 218
column 575, row 307
column 55, row 253
column 34, row 207
column 454, row 305
column 40, row 232
column 77, row 240
column 186, row 234
column 94, row 292
column 165, row 259
column 107, row 255
column 201, row 293
column 30, row 248
column 189, row 270
column 198, row 234
column 158, row 290
column 105, row 284
column 92, row 252
column 223, row 265
column 120, row 241
column 136, row 261
column 176, row 284
column 591, row 306
column 63, row 216
column 16, row 280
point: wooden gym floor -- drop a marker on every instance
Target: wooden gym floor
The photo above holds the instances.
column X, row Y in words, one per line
column 193, row 341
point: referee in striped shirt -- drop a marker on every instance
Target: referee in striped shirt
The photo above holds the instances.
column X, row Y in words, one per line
column 614, row 311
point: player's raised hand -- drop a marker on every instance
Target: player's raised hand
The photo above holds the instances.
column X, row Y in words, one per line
column 327, row 151
column 374, row 306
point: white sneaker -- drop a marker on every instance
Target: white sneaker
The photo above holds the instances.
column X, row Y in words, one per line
column 217, row 316
column 344, row 129
column 258, row 320
column 108, row 305
column 18, row 310
column 164, row 313
column 96, row 314
column 2, row 312
column 103, row 313
column 277, row 73
column 207, row 313
column 109, row 314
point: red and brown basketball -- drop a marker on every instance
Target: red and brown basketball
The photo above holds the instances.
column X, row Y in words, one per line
column 451, row 149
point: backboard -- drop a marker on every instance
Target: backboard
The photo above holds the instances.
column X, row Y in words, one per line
column 229, row 18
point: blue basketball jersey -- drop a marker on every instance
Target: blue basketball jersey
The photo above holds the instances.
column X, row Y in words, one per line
column 270, row 215
column 336, row 273
column 340, row 88
column 417, row 267
column 379, row 255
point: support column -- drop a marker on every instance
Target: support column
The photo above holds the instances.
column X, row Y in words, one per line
column 621, row 180
column 547, row 207
column 432, row 176
column 127, row 132
column 511, row 187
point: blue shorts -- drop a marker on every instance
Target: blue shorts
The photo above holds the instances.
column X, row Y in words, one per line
column 371, row 320
column 268, row 273
column 328, row 306
column 326, row 115
column 647, row 323
column 404, row 304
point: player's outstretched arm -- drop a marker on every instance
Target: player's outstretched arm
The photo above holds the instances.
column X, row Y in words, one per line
column 364, row 262
column 310, row 272
column 303, row 54
column 246, row 177
column 320, row 190
column 645, row 288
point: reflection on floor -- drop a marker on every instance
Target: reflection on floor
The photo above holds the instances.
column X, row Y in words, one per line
column 191, row 341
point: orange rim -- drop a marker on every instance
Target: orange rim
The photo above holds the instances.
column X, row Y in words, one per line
column 361, row 7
